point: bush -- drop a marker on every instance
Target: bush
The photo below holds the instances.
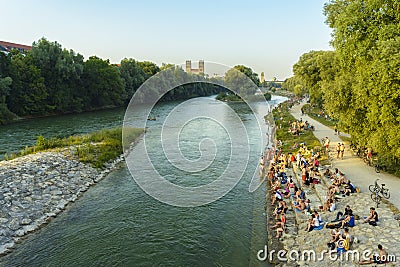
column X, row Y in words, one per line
column 96, row 148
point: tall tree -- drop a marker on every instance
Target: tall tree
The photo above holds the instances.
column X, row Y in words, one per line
column 61, row 70
column 28, row 93
column 103, row 85
column 133, row 75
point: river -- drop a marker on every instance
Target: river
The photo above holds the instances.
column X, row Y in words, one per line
column 115, row 223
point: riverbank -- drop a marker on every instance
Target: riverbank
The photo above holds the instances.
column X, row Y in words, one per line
column 298, row 243
column 37, row 187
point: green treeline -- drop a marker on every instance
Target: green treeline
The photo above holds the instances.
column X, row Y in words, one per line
column 359, row 82
column 52, row 80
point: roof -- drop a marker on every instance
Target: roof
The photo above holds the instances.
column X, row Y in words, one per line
column 9, row 46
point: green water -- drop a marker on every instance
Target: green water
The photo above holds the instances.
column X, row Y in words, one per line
column 116, row 224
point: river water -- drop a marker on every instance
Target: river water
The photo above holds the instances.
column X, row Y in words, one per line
column 116, row 223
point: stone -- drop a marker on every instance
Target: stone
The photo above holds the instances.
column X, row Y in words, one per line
column 26, row 221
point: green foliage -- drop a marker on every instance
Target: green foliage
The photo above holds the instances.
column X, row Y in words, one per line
column 359, row 82
column 133, row 76
column 6, row 116
column 319, row 115
column 267, row 96
column 103, row 84
column 96, row 148
column 50, row 80
column 283, row 120
column 234, row 80
column 311, row 71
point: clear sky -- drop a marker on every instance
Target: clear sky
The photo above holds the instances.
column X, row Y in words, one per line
column 266, row 35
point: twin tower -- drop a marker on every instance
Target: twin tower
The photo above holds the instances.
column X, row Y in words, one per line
column 196, row 71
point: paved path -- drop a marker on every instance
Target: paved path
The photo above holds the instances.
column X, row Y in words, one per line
column 354, row 167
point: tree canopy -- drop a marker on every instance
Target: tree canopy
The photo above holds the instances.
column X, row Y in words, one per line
column 359, row 82
column 50, row 79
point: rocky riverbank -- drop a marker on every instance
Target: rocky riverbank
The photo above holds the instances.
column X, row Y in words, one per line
column 37, row 187
column 298, row 243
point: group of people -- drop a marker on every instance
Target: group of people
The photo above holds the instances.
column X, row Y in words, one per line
column 299, row 125
column 340, row 150
column 284, row 189
column 341, row 239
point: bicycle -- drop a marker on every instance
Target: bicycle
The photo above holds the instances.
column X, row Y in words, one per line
column 377, row 191
column 378, row 168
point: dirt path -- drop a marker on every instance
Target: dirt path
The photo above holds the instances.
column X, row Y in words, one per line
column 354, row 167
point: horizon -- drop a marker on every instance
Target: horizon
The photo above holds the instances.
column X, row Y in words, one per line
column 266, row 36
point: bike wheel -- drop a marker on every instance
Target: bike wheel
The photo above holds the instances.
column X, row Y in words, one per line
column 376, row 198
column 386, row 193
column 377, row 169
column 372, row 188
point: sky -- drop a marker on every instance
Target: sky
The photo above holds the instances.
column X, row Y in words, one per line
column 267, row 35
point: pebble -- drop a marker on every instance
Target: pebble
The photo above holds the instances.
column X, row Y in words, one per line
column 37, row 187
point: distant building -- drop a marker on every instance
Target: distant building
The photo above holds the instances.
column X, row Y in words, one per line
column 262, row 77
column 195, row 71
column 6, row 47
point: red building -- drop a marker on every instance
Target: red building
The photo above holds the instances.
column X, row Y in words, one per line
column 6, row 47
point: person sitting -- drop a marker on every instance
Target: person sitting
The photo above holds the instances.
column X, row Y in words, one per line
column 299, row 206
column 327, row 204
column 278, row 210
column 335, row 234
column 276, row 197
column 342, row 245
column 333, row 191
column 382, row 258
column 327, row 173
column 312, row 223
column 291, row 185
column 347, row 235
column 372, row 219
column 332, row 206
column 352, row 187
column 348, row 221
column 307, row 205
column 318, row 216
column 283, row 218
column 340, row 215
column 280, row 228
column 286, row 193
column 285, row 207
column 346, row 190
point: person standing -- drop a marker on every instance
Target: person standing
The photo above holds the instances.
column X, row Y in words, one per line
column 341, row 150
column 326, row 144
column 338, row 150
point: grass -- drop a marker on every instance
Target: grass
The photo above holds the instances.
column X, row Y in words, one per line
column 95, row 148
column 283, row 119
column 319, row 115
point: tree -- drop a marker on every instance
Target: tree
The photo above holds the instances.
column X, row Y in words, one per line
column 133, row 75
column 61, row 70
column 28, row 93
column 4, row 89
column 235, row 80
column 366, row 39
column 311, row 69
column 102, row 83
column 149, row 68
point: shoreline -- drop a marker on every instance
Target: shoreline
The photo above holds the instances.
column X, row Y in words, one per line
column 35, row 188
column 296, row 242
